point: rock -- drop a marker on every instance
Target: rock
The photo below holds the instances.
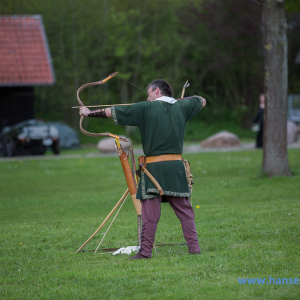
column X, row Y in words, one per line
column 107, row 145
column 292, row 132
column 220, row 140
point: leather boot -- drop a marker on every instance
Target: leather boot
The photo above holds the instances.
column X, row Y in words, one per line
column 190, row 235
column 148, row 237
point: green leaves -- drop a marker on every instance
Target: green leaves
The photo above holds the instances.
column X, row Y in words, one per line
column 216, row 45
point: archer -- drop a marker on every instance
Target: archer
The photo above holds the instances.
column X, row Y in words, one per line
column 161, row 121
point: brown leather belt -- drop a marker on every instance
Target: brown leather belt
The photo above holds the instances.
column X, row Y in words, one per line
column 166, row 157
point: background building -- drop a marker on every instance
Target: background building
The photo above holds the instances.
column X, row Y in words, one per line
column 25, row 62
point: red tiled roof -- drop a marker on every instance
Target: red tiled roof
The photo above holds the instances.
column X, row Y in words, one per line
column 24, row 54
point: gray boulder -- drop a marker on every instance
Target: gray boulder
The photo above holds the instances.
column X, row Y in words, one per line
column 222, row 139
column 107, row 145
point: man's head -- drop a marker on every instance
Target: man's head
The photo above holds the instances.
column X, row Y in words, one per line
column 158, row 88
column 262, row 98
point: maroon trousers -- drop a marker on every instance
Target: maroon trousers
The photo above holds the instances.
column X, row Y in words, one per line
column 151, row 212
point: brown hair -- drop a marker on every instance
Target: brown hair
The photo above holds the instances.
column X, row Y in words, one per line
column 163, row 85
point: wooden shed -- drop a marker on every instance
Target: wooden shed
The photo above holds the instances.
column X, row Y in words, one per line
column 25, row 62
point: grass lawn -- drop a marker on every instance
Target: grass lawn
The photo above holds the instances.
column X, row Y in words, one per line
column 248, row 227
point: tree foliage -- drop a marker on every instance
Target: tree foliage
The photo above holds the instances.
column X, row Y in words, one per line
column 230, row 58
column 214, row 44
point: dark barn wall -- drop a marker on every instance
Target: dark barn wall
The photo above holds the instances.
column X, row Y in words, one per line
column 16, row 105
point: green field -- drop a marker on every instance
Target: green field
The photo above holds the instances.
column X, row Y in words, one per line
column 248, row 227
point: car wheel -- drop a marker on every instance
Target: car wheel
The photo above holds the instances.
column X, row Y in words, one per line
column 10, row 148
column 2, row 147
column 55, row 147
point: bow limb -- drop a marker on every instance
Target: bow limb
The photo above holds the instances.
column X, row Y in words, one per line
column 81, row 104
column 183, row 90
column 99, row 134
column 92, row 84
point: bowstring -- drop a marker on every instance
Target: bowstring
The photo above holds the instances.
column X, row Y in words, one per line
column 101, row 214
column 131, row 83
column 130, row 134
column 179, row 94
column 139, row 89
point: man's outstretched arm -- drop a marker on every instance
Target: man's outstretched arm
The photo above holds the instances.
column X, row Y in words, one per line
column 105, row 112
column 100, row 113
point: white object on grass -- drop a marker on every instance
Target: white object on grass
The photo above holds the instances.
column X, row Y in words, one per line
column 128, row 250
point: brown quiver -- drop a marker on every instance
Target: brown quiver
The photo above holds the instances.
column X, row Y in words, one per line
column 129, row 179
column 127, row 172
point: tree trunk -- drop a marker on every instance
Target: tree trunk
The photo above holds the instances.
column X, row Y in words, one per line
column 275, row 159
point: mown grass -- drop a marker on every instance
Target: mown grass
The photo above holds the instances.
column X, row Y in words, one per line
column 248, row 226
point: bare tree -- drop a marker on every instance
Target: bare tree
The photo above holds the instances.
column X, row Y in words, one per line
column 274, row 25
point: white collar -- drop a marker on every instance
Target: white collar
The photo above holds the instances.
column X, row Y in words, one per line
column 166, row 99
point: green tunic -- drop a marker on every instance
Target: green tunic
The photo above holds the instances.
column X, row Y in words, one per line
column 162, row 126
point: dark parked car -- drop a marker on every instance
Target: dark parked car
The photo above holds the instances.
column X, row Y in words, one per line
column 29, row 137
